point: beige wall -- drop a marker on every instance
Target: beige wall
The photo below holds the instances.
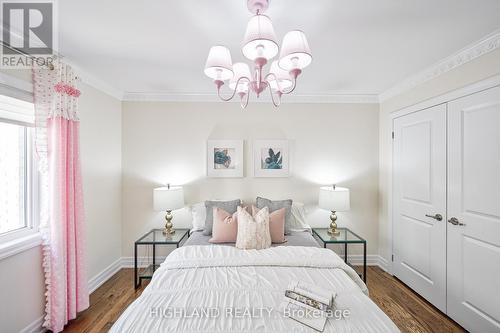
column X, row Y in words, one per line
column 329, row 143
column 100, row 138
column 21, row 290
column 21, row 278
column 480, row 68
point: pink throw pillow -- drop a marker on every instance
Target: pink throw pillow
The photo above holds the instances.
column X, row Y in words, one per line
column 276, row 224
column 225, row 226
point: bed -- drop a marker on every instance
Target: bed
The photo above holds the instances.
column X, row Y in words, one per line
column 201, row 288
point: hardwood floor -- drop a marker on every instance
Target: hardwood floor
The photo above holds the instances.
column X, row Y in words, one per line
column 107, row 304
column 410, row 312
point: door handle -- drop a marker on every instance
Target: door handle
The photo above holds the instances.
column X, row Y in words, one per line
column 455, row 221
column 438, row 217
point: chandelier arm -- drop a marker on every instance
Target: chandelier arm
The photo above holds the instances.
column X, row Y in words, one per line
column 279, row 93
column 243, row 106
column 234, row 91
column 283, row 92
column 275, row 79
column 292, row 89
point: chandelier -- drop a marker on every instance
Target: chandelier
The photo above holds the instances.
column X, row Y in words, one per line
column 260, row 46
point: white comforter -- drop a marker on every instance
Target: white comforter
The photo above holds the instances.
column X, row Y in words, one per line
column 223, row 289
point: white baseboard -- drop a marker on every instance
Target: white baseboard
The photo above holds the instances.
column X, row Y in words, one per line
column 34, row 327
column 128, row 262
column 104, row 276
column 383, row 263
column 357, row 259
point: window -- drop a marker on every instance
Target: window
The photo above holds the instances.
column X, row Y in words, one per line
column 13, row 174
column 18, row 173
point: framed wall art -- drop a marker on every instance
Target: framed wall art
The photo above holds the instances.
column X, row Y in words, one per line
column 225, row 158
column 271, row 158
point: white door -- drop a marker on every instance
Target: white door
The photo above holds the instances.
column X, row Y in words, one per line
column 474, row 201
column 419, row 205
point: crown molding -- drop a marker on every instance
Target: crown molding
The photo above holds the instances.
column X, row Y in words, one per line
column 204, row 97
column 100, row 85
column 483, row 46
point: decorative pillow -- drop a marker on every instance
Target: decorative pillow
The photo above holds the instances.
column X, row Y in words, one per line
column 276, row 224
column 253, row 232
column 225, row 226
column 199, row 214
column 298, row 218
column 275, row 205
column 228, row 206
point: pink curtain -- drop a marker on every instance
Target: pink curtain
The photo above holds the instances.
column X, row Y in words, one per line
column 62, row 218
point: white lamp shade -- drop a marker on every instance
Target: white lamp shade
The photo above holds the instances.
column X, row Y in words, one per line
column 219, row 64
column 295, row 52
column 240, row 70
column 334, row 198
column 260, row 39
column 168, row 198
column 283, row 77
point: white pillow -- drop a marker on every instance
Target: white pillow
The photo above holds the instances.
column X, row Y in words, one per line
column 253, row 231
column 298, row 218
column 199, row 213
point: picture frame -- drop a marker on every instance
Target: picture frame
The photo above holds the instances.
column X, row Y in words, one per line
column 225, row 158
column 271, row 158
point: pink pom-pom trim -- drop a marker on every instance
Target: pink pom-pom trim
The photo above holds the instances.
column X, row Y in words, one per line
column 62, row 88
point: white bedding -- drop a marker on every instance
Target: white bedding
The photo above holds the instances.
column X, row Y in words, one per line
column 237, row 288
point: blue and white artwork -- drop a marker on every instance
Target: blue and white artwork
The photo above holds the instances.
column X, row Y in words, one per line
column 271, row 158
column 224, row 157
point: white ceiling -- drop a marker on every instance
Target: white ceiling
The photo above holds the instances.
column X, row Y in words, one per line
column 359, row 47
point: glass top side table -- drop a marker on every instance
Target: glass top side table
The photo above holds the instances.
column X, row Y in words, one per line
column 346, row 237
column 155, row 237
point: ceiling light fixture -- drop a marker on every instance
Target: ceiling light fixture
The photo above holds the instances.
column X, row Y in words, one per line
column 259, row 46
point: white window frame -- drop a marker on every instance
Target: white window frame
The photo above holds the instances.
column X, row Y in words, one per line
column 22, row 239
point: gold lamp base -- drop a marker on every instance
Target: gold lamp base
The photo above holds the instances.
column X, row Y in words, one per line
column 168, row 225
column 333, row 225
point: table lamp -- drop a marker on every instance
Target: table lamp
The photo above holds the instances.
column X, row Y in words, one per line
column 167, row 199
column 334, row 199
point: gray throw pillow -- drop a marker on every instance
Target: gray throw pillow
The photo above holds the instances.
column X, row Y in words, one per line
column 228, row 206
column 275, row 205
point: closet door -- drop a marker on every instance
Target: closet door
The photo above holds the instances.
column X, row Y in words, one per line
column 474, row 211
column 419, row 203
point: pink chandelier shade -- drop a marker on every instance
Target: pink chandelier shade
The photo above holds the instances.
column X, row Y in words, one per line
column 260, row 39
column 219, row 65
column 241, row 70
column 260, row 46
column 280, row 80
column 295, row 51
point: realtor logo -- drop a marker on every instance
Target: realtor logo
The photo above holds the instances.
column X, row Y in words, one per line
column 28, row 32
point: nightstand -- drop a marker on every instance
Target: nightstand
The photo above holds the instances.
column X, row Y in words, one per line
column 155, row 237
column 346, row 237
